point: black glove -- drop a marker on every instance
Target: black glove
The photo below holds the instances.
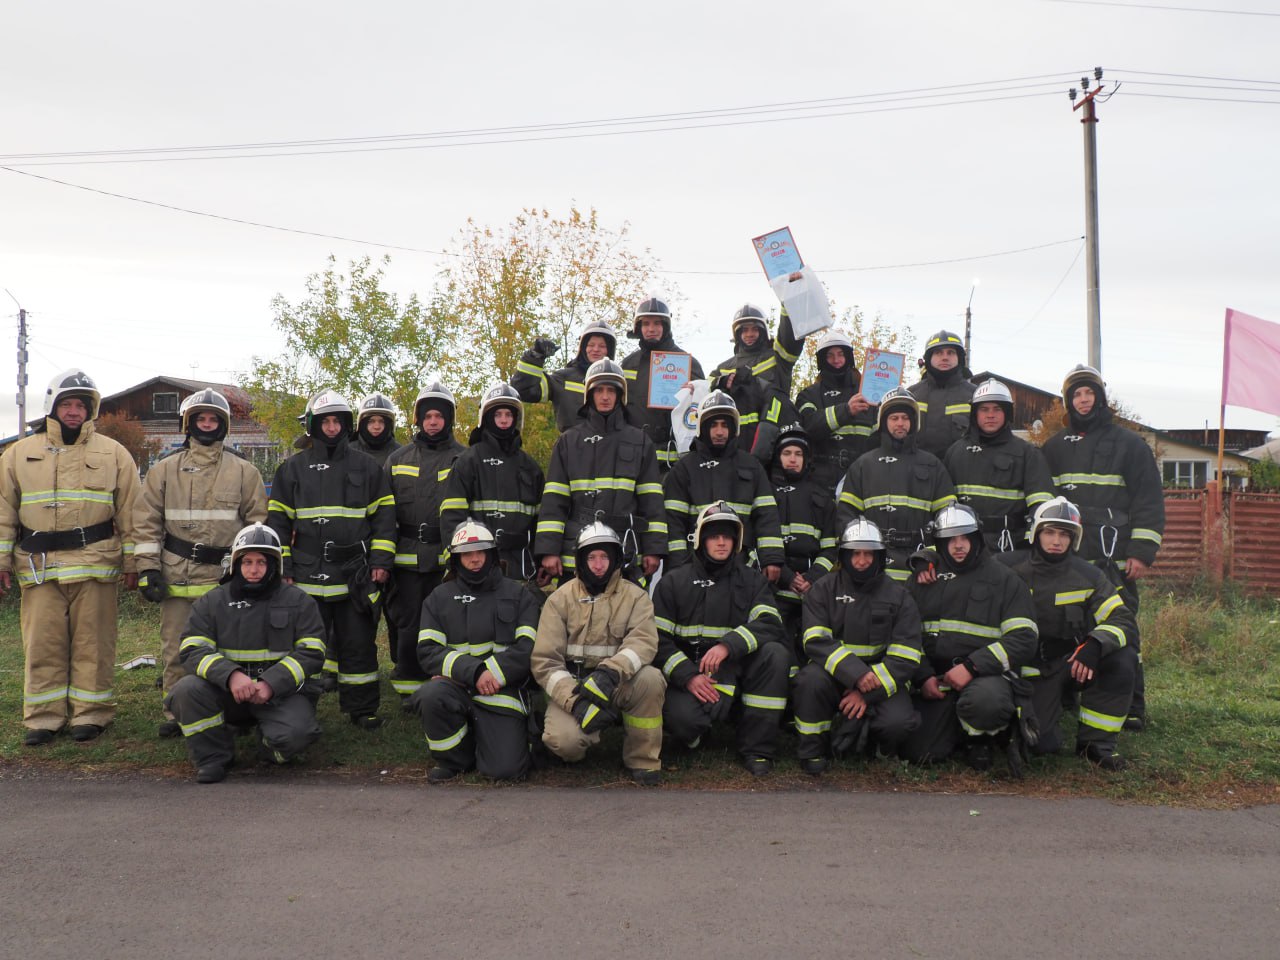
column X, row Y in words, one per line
column 545, row 347
column 151, row 586
column 599, row 686
column 591, row 717
column 1088, row 654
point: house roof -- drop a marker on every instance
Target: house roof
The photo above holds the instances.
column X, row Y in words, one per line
column 229, row 390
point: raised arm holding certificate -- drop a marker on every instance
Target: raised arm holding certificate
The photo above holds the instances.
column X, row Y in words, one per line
column 668, row 372
column 794, row 284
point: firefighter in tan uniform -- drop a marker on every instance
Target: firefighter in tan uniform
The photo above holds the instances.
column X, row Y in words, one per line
column 193, row 504
column 66, row 534
column 593, row 654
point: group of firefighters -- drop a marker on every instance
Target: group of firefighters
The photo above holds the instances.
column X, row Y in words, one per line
column 906, row 579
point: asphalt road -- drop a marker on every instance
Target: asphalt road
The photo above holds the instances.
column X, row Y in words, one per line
column 325, row 870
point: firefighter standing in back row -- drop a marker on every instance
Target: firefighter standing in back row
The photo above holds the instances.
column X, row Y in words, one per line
column 249, row 647
column 596, row 641
column 1110, row 473
column 1085, row 630
column 1002, row 477
column 419, row 472
column 563, row 388
column 837, row 418
column 652, row 327
column 497, row 483
column 376, row 427
column 66, row 535
column 331, row 507
column 758, row 375
column 603, row 469
column 943, row 393
column 193, row 503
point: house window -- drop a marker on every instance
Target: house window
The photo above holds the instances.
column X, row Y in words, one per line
column 164, row 403
column 1189, row 474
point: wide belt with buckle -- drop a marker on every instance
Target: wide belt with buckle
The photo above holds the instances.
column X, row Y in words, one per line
column 199, row 552
column 43, row 541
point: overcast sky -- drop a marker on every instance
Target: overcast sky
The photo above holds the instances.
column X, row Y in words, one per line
column 1189, row 197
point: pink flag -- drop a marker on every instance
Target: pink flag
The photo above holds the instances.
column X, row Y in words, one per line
column 1251, row 363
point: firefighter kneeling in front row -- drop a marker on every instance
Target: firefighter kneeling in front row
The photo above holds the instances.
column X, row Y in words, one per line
column 249, row 647
column 596, row 639
column 1086, row 636
column 862, row 640
column 477, row 634
column 720, row 642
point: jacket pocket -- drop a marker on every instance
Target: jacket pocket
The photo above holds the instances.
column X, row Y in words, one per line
column 279, row 636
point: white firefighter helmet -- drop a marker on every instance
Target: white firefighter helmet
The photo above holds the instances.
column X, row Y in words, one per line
column 716, row 514
column 954, row 520
column 437, row 391
column 471, row 536
column 597, row 534
column 834, row 338
column 861, row 534
column 1059, row 512
column 898, row 400
column 328, row 403
column 72, row 383
column 202, row 401
column 257, row 537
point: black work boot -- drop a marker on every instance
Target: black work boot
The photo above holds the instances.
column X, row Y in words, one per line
column 1102, row 756
column 84, row 732
column 38, row 738
column 977, row 754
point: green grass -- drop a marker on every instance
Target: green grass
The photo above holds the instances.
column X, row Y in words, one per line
column 1213, row 739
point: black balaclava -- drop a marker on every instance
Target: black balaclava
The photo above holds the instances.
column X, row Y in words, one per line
column 862, row 577
column 704, row 434
column 788, row 475
column 377, row 443
column 504, row 437
column 1000, row 436
column 977, row 544
column 944, row 377
column 658, row 344
column 1049, row 557
column 70, row 435
column 714, row 567
column 242, row 589
column 446, row 410
column 206, row 437
column 846, row 376
column 1098, row 416
column 762, row 341
column 330, row 443
column 894, row 444
column 581, row 360
column 595, row 585
column 474, row 578
column 617, row 407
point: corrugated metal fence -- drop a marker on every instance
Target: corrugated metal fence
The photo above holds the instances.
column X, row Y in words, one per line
column 1198, row 543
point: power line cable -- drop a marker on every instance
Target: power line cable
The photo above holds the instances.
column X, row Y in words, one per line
column 1053, row 293
column 1161, row 6
column 1192, row 76
column 1180, row 96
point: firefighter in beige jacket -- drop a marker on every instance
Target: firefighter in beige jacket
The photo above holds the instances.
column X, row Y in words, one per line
column 66, row 535
column 193, row 504
column 596, row 641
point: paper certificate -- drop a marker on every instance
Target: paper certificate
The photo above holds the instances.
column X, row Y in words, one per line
column 668, row 372
column 881, row 372
column 778, row 254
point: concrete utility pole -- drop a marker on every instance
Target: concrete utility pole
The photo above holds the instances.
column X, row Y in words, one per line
column 22, row 373
column 968, row 325
column 1094, row 294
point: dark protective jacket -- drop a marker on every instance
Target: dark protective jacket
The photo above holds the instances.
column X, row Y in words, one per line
column 325, row 505
column 762, row 409
column 602, row 469
column 561, row 388
column 836, row 437
column 807, row 516
column 771, row 359
column 655, row 422
column 498, row 485
column 1073, row 600
column 381, row 453
column 899, row 488
column 278, row 638
column 467, row 630
column 944, row 411
column 699, row 479
column 851, row 629
column 983, row 614
column 418, row 472
column 1003, row 478
column 695, row 609
column 1111, row 475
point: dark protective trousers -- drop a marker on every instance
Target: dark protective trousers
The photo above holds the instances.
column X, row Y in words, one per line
column 757, row 684
column 815, row 698
column 1104, row 703
column 1138, row 700
column 984, row 706
column 286, row 725
column 465, row 733
column 405, row 612
column 352, row 644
